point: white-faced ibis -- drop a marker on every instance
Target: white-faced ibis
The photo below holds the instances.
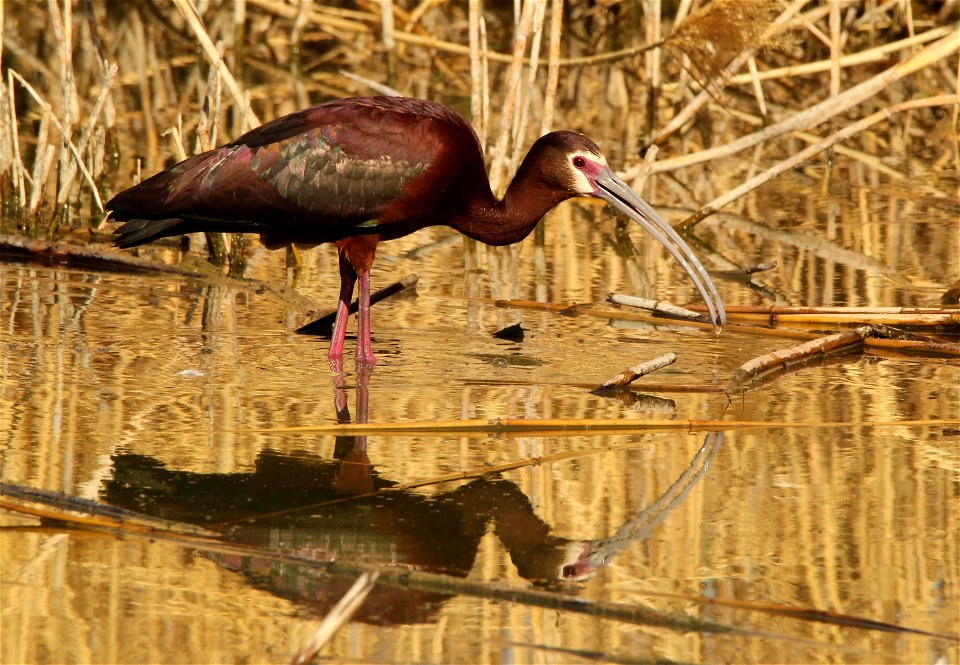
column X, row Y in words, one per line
column 358, row 171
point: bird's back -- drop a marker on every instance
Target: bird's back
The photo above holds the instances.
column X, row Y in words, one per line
column 380, row 165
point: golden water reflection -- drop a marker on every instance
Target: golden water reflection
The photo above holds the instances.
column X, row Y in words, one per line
column 110, row 377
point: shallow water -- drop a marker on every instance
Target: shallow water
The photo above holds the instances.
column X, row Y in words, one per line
column 171, row 396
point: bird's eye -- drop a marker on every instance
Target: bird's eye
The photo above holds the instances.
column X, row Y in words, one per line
column 579, row 162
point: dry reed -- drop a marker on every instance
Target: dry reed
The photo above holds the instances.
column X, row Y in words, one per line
column 530, row 85
column 850, row 130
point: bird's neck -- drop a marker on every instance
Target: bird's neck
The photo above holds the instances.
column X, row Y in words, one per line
column 511, row 219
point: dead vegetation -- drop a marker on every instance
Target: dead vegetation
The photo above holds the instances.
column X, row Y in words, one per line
column 95, row 95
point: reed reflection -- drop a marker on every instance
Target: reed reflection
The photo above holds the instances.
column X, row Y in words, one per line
column 344, row 509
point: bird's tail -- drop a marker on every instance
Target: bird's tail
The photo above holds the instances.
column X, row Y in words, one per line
column 169, row 203
column 140, row 231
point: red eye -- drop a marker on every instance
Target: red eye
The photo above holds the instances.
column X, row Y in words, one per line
column 579, row 162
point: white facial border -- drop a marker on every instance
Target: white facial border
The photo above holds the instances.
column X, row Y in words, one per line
column 579, row 176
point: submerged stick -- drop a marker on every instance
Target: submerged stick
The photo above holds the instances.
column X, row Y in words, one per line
column 745, row 272
column 631, row 374
column 336, row 617
column 89, row 256
column 85, row 255
column 60, row 506
column 324, row 325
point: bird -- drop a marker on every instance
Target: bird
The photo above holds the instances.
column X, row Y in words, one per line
column 359, row 171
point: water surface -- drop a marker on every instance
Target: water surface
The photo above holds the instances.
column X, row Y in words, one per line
column 170, row 396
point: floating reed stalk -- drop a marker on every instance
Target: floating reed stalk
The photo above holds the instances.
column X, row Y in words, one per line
column 324, row 325
column 657, row 307
column 745, row 272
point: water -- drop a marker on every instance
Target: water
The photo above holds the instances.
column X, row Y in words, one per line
column 171, row 396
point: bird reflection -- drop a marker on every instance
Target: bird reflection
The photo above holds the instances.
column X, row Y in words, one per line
column 337, row 509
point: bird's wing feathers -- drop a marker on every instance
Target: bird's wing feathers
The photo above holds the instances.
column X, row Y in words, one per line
column 328, row 169
column 317, row 174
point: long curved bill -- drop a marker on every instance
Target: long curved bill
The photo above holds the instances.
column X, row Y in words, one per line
column 614, row 191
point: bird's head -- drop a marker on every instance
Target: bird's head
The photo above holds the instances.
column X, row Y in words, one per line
column 567, row 162
column 572, row 163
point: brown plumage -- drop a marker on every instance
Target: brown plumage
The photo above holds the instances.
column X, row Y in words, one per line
column 363, row 170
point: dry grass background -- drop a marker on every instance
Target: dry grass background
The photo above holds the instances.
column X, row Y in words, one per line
column 97, row 94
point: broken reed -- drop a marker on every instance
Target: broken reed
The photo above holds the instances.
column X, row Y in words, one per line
column 59, row 117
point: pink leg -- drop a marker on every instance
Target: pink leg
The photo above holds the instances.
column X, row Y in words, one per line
column 365, row 354
column 347, row 279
